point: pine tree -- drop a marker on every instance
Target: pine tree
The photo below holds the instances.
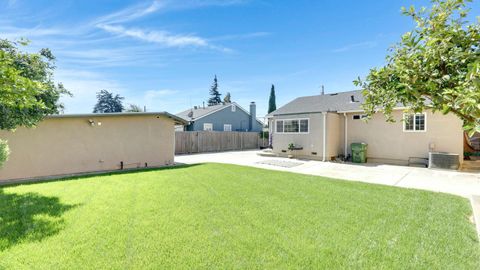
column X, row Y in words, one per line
column 272, row 106
column 214, row 94
column 227, row 98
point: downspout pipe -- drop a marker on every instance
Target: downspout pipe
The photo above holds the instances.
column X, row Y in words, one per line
column 346, row 135
column 324, row 156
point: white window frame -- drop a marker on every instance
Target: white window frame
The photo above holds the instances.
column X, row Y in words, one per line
column 234, row 108
column 292, row 119
column 414, row 122
column 227, row 125
column 207, row 127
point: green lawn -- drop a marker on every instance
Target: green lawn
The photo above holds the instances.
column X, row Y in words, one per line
column 224, row 216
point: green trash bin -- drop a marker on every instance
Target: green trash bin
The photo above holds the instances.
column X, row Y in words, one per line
column 359, row 152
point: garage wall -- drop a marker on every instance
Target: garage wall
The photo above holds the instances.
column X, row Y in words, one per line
column 68, row 145
column 387, row 142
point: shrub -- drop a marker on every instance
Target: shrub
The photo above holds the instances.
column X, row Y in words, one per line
column 291, row 146
column 4, row 152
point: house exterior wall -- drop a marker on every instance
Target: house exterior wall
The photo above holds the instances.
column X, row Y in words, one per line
column 387, row 142
column 334, row 135
column 238, row 119
column 311, row 142
column 61, row 146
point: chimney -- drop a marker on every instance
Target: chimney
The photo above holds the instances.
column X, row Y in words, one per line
column 195, row 107
column 323, row 90
column 204, row 104
column 253, row 116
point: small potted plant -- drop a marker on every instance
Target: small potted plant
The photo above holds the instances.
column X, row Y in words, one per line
column 291, row 147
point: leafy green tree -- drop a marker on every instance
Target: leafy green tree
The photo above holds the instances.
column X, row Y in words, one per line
column 134, row 108
column 108, row 102
column 435, row 66
column 272, row 105
column 27, row 90
column 227, row 98
column 215, row 96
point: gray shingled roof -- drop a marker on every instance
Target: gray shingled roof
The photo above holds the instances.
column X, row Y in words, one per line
column 199, row 111
column 322, row 103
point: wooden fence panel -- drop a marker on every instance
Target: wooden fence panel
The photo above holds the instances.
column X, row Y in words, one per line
column 214, row 141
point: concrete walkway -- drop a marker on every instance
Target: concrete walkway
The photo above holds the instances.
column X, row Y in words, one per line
column 453, row 182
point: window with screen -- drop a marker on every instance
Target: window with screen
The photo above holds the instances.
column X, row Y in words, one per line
column 292, row 126
column 279, row 126
column 415, row 122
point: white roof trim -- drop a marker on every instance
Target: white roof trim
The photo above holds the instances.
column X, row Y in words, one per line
column 119, row 114
column 362, row 111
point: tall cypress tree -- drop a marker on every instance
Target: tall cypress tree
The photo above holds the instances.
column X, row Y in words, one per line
column 214, row 94
column 272, row 105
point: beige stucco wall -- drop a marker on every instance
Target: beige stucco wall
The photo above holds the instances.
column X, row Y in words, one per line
column 388, row 142
column 334, row 135
column 59, row 146
column 313, row 141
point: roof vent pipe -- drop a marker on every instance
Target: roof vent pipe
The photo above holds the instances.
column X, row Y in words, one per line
column 352, row 98
column 323, row 90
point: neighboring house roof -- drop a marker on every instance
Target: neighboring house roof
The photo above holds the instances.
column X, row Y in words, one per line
column 200, row 112
column 334, row 102
column 177, row 119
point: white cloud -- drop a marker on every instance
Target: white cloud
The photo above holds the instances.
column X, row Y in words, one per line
column 153, row 94
column 11, row 3
column 156, row 100
column 16, row 32
column 84, row 85
column 242, row 36
column 130, row 13
column 361, row 45
column 138, row 11
column 159, row 37
column 189, row 4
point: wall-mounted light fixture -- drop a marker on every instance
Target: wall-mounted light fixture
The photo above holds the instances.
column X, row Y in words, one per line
column 92, row 122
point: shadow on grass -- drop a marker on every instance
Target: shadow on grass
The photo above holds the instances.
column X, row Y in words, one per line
column 81, row 176
column 29, row 217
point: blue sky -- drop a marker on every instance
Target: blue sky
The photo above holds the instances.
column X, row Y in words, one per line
column 164, row 54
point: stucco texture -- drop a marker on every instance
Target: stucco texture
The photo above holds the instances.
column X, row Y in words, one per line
column 62, row 146
column 387, row 142
column 312, row 142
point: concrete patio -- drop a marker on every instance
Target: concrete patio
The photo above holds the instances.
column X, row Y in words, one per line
column 454, row 182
